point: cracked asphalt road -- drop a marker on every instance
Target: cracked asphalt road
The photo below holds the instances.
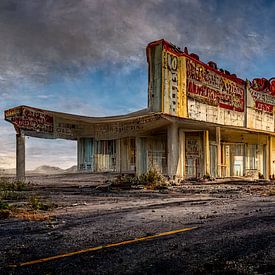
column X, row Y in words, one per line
column 233, row 235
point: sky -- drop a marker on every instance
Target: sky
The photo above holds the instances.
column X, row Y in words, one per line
column 88, row 57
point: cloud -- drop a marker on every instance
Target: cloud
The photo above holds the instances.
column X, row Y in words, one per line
column 45, row 42
column 41, row 38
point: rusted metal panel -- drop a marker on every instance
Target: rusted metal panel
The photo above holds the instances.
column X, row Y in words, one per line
column 194, row 155
column 85, row 154
column 30, row 119
column 104, row 157
column 156, row 152
column 155, row 78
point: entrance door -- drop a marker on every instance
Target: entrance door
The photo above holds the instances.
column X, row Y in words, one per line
column 237, row 160
column 191, row 167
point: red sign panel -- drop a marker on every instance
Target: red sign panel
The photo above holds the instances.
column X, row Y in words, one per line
column 212, row 88
column 32, row 119
column 263, row 93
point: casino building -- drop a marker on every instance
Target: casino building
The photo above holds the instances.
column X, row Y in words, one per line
column 200, row 120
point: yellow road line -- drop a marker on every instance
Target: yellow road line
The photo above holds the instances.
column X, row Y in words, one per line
column 102, row 247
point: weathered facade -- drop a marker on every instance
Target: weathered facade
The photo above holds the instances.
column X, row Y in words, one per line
column 200, row 121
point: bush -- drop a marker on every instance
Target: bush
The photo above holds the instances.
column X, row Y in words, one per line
column 153, row 179
column 207, row 176
column 4, row 205
column 36, row 204
column 11, row 195
column 125, row 180
column 12, row 185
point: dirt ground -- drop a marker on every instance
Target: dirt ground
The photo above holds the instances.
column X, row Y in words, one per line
column 232, row 228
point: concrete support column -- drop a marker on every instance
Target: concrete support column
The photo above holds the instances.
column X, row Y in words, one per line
column 173, row 150
column 118, row 156
column 20, row 156
column 206, row 150
column 181, row 164
column 139, row 156
column 78, row 154
column 272, row 156
column 268, row 157
column 219, row 151
column 124, row 145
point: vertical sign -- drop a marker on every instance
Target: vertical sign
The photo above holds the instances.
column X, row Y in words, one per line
column 173, row 84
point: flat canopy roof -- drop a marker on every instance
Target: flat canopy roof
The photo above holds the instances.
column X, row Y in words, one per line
column 50, row 124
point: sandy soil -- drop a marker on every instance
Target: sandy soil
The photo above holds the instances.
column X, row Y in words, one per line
column 234, row 228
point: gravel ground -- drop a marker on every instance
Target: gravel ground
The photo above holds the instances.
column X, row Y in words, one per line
column 234, row 226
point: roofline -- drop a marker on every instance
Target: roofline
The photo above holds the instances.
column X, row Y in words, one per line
column 212, row 124
column 142, row 112
column 172, row 48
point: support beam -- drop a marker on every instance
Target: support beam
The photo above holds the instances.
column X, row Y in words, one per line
column 20, row 156
column 272, row 158
column 173, row 150
column 181, row 164
column 139, row 156
column 219, row 151
column 78, row 154
column 268, row 157
column 118, row 166
column 206, row 150
column 124, row 159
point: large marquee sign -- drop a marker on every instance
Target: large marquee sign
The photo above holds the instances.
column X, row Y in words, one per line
column 213, row 88
column 183, row 76
column 30, row 119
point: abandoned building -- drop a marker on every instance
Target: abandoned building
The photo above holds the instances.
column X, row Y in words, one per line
column 200, row 120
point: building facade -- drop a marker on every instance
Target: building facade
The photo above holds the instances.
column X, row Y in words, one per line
column 200, row 121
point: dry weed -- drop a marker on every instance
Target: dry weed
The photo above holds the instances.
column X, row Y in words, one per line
column 29, row 215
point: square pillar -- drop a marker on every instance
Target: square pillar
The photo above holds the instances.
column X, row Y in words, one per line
column 181, row 164
column 140, row 156
column 173, row 150
column 219, row 151
column 206, row 151
column 118, row 156
column 20, row 156
column 268, row 160
column 272, row 156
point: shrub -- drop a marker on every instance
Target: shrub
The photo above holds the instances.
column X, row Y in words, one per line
column 36, row 204
column 153, row 179
column 125, row 180
column 4, row 205
column 11, row 195
column 260, row 175
column 207, row 176
column 12, row 185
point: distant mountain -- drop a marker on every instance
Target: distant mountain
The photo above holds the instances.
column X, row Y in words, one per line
column 72, row 169
column 45, row 169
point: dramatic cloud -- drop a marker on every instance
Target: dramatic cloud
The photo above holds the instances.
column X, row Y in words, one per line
column 49, row 47
column 40, row 38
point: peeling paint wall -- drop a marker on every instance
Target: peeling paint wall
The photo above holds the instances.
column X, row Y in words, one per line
column 96, row 155
column 260, row 109
column 204, row 112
